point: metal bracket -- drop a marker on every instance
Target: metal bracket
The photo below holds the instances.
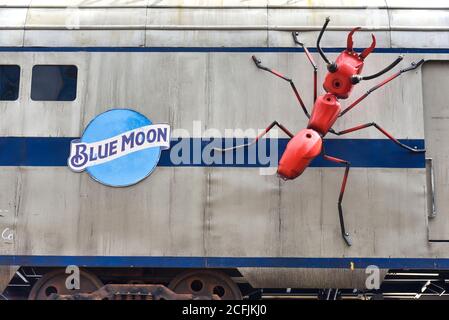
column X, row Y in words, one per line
column 430, row 182
column 431, row 209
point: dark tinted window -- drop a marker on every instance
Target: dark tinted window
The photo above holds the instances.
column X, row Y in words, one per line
column 54, row 83
column 9, row 82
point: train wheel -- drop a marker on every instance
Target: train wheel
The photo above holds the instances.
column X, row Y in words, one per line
column 54, row 282
column 206, row 283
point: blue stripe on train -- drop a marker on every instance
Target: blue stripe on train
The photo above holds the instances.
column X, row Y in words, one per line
column 217, row 49
column 223, row 262
column 368, row 153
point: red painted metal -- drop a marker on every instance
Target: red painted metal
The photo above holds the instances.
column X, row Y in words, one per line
column 339, row 83
column 324, row 113
column 305, row 146
column 348, row 64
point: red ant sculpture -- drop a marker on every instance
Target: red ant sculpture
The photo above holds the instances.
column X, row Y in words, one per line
column 340, row 79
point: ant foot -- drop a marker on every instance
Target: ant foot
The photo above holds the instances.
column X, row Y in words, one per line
column 256, row 61
column 347, row 239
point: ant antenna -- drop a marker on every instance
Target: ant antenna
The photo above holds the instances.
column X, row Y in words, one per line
column 332, row 67
column 356, row 79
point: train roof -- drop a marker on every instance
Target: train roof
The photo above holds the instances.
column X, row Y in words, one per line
column 215, row 23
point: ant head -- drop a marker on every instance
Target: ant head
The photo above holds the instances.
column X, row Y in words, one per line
column 339, row 79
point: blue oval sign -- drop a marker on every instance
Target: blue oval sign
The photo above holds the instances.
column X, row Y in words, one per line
column 119, row 147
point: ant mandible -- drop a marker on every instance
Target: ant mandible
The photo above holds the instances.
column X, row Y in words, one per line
column 339, row 81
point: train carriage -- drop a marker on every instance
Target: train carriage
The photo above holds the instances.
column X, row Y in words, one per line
column 232, row 224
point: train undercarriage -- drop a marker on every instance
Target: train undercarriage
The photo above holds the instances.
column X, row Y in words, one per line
column 38, row 283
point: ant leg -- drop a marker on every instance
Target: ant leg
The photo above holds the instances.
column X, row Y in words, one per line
column 330, row 66
column 389, row 136
column 274, row 123
column 357, row 78
column 413, row 66
column 312, row 62
column 277, row 74
column 345, row 234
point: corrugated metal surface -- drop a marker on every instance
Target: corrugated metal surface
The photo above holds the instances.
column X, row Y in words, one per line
column 13, row 19
column 307, row 278
column 215, row 23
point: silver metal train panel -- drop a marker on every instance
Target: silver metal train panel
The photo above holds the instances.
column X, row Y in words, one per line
column 436, row 131
column 207, row 211
column 223, row 90
column 258, row 23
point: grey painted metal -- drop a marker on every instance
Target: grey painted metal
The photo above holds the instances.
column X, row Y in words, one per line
column 16, row 18
column 213, row 211
column 165, row 91
column 224, row 208
column 56, row 211
column 212, row 23
column 316, row 4
column 307, row 278
column 436, row 120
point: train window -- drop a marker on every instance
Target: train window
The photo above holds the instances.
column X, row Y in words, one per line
column 9, row 82
column 54, row 83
